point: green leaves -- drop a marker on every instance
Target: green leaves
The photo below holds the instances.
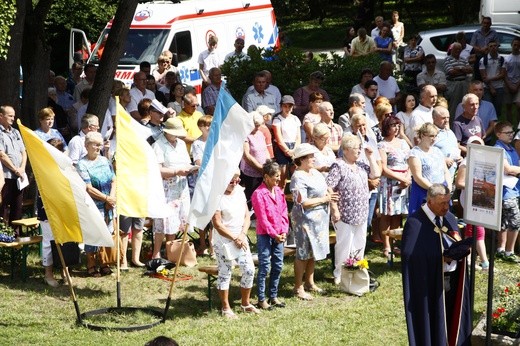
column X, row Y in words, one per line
column 7, row 17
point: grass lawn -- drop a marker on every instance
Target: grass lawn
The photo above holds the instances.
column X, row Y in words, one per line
column 32, row 313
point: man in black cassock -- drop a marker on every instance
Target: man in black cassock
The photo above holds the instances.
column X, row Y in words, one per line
column 436, row 296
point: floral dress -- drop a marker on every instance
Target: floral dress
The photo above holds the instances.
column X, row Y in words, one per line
column 100, row 174
column 176, row 188
column 352, row 186
column 311, row 226
column 432, row 165
column 393, row 200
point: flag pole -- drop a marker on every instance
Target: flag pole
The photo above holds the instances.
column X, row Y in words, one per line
column 177, row 265
column 69, row 281
column 118, row 256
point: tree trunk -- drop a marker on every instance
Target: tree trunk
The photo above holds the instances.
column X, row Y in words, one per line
column 10, row 81
column 100, row 93
column 35, row 63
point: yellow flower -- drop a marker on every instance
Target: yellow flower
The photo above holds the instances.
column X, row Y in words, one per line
column 363, row 263
column 164, row 272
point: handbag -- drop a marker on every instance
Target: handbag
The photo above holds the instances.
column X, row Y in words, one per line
column 109, row 254
column 356, row 282
column 230, row 250
column 173, row 250
column 70, row 251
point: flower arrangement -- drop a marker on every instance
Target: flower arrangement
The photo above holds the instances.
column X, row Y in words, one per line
column 506, row 316
column 354, row 263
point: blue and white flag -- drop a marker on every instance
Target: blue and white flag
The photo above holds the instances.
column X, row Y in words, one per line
column 224, row 148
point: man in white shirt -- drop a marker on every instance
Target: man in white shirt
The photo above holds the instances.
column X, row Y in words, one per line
column 238, row 53
column 137, row 93
column 387, row 84
column 423, row 113
column 89, row 123
column 512, row 80
column 259, row 95
column 377, row 30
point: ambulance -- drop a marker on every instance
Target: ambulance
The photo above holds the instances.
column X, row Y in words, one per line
column 183, row 27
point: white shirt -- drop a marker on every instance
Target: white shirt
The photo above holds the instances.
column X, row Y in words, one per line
column 77, row 147
column 137, row 95
column 387, row 88
column 420, row 115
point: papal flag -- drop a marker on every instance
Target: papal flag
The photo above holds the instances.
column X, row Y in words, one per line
column 224, row 148
column 72, row 214
column 139, row 189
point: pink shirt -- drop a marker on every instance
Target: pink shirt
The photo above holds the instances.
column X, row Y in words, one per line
column 271, row 212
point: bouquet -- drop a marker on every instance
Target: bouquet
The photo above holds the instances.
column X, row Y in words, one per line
column 354, row 262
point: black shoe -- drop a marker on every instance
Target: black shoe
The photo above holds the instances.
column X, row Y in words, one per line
column 276, row 303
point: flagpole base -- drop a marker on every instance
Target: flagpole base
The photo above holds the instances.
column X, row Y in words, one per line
column 86, row 316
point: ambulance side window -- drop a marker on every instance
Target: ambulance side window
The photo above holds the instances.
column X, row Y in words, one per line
column 181, row 46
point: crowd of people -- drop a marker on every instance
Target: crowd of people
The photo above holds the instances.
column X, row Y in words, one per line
column 384, row 158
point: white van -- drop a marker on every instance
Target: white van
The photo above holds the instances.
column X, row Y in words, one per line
column 183, row 27
column 501, row 11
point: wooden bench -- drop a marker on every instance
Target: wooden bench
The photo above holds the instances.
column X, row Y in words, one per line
column 29, row 225
column 394, row 234
column 212, row 272
column 21, row 245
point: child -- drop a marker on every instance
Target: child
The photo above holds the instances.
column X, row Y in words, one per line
column 197, row 151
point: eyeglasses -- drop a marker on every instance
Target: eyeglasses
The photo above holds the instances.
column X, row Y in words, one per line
column 509, row 133
column 389, row 114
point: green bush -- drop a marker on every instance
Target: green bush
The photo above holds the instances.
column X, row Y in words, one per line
column 290, row 71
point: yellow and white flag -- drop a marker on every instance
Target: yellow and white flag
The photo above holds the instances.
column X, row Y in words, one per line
column 72, row 214
column 140, row 190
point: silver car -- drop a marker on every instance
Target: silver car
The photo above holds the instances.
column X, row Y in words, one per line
column 437, row 41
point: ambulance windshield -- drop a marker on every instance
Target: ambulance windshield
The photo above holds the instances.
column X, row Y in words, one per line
column 140, row 45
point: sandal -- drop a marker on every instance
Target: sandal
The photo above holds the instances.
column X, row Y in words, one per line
column 301, row 294
column 264, row 305
column 250, row 309
column 229, row 314
column 386, row 252
column 93, row 272
column 314, row 289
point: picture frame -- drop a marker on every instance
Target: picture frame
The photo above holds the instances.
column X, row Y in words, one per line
column 484, row 182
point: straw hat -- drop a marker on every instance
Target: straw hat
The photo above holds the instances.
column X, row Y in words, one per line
column 304, row 149
column 174, row 127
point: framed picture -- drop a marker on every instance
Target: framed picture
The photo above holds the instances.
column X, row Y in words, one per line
column 484, row 181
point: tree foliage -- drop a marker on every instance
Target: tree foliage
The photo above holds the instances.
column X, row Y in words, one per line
column 290, row 71
column 7, row 17
column 90, row 16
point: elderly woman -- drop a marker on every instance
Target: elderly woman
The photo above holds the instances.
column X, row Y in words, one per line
column 301, row 95
column 325, row 156
column 310, row 219
column 393, row 191
column 313, row 117
column 254, row 157
column 427, row 166
column 45, row 131
column 349, row 177
column 272, row 225
column 231, row 223
column 175, row 164
column 97, row 172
